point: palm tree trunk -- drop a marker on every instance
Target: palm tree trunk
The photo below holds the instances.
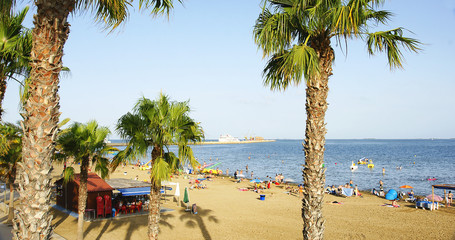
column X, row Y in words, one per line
column 155, row 198
column 154, row 211
column 11, row 202
column 33, row 219
column 314, row 146
column 82, row 201
column 2, row 94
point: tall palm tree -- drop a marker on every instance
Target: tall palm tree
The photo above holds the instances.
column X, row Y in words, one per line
column 10, row 155
column 15, row 47
column 296, row 37
column 157, row 125
column 85, row 144
column 50, row 32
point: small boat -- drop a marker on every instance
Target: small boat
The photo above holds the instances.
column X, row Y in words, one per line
column 354, row 167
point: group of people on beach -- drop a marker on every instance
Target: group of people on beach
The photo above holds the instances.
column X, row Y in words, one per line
column 338, row 191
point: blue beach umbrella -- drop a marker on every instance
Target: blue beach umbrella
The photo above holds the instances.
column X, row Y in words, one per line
column 256, row 181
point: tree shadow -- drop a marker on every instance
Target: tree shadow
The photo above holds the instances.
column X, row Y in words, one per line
column 58, row 215
column 134, row 222
column 3, row 218
column 197, row 220
column 105, row 227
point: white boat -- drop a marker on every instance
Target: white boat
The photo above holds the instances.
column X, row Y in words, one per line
column 354, row 167
column 228, row 138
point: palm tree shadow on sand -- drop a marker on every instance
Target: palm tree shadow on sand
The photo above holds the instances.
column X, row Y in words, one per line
column 135, row 223
column 194, row 220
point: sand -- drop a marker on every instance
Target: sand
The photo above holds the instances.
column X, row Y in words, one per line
column 224, row 212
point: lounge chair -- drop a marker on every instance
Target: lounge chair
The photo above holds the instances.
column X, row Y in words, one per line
column 410, row 198
column 425, row 204
column 420, row 204
column 431, row 205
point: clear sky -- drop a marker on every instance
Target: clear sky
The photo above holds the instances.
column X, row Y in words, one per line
column 205, row 53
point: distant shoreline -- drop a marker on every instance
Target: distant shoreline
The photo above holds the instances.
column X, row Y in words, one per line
column 208, row 143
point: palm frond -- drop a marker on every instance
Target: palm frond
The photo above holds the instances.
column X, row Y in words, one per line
column 390, row 43
column 290, row 66
column 273, row 32
column 160, row 171
column 101, row 166
column 68, row 175
column 159, row 7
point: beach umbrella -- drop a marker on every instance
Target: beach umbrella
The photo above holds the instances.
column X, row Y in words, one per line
column 240, row 175
column 406, row 186
column 177, row 193
column 436, row 198
column 186, row 198
column 289, row 180
column 256, row 181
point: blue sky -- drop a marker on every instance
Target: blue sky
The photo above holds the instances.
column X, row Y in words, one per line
column 205, row 53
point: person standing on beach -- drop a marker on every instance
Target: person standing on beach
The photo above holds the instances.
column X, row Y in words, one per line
column 450, row 196
column 227, row 171
column 381, row 188
column 235, row 174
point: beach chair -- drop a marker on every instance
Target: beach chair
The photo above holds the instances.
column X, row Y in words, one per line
column 139, row 207
column 410, row 198
column 123, row 209
column 431, row 206
column 421, row 204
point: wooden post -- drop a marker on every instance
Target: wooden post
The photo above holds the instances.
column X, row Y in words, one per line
column 432, row 192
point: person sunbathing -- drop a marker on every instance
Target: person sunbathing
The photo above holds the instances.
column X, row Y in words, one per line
column 395, row 204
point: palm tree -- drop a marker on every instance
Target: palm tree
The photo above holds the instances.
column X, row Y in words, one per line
column 296, row 37
column 157, row 125
column 85, row 144
column 10, row 155
column 15, row 47
column 41, row 117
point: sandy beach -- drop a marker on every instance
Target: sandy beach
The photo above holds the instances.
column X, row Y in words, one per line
column 224, row 212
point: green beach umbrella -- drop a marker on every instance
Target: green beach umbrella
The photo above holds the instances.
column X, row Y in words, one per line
column 186, row 199
column 186, row 196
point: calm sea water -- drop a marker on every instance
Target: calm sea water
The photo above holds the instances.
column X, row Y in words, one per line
column 419, row 159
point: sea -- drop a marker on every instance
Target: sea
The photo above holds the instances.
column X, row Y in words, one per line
column 406, row 162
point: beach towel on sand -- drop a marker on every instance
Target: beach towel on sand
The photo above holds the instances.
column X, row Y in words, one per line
column 347, row 192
